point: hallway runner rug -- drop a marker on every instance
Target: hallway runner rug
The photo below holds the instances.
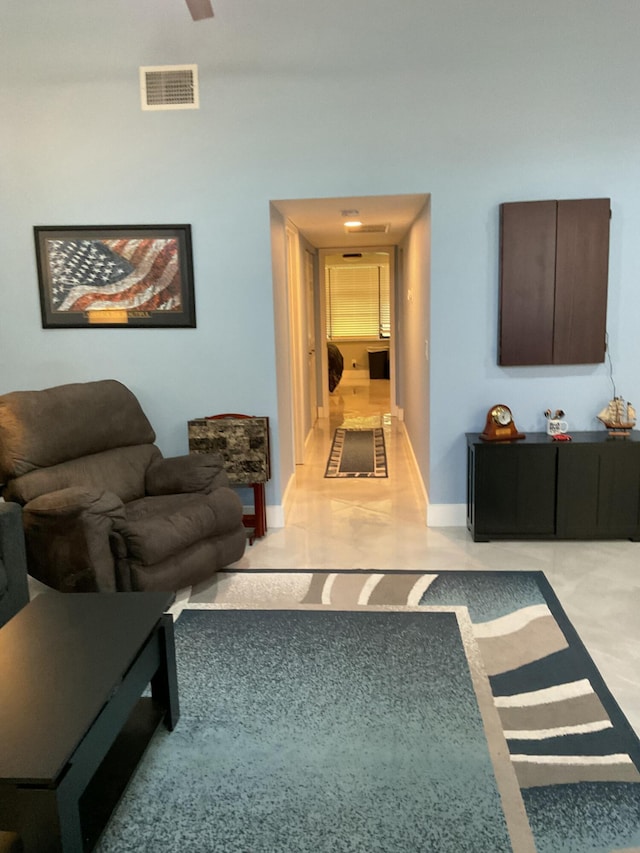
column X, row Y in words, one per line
column 373, row 712
column 357, row 453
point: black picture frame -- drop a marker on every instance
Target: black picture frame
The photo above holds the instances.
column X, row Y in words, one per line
column 115, row 276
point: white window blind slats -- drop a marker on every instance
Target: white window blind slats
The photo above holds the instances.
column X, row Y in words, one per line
column 357, row 300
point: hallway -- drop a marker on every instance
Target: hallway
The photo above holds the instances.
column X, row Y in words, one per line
column 380, row 524
column 352, row 523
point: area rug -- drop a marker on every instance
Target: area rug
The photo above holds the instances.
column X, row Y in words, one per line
column 357, row 453
column 371, row 711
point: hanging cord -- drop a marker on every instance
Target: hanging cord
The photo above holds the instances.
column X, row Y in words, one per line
column 606, row 343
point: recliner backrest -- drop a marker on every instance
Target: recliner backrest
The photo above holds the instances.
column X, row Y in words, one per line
column 121, row 471
column 39, row 429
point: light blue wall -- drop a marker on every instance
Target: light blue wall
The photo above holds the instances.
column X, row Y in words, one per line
column 475, row 103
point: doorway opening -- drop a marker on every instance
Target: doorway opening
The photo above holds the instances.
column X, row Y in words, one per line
column 305, row 232
column 357, row 303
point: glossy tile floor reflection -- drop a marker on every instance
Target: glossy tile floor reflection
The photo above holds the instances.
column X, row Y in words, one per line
column 380, row 524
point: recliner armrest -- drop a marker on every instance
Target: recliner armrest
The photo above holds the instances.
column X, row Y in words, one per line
column 176, row 475
column 74, row 500
column 67, row 536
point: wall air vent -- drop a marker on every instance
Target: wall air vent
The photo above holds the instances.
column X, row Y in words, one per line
column 169, row 87
column 367, row 229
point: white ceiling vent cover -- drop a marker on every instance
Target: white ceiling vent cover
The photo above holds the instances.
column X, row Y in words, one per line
column 367, row 229
column 169, row 87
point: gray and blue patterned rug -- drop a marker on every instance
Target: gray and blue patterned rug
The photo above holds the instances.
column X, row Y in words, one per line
column 397, row 712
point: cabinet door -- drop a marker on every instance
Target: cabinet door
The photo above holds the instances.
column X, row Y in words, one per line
column 582, row 266
column 527, row 282
column 599, row 491
column 578, row 482
column 515, row 490
column 554, row 261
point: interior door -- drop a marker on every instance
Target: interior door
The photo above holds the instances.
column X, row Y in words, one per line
column 312, row 369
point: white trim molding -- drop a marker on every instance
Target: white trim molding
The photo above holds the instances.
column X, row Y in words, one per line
column 446, row 515
column 275, row 516
column 414, row 462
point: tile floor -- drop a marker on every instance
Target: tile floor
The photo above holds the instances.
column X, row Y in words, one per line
column 381, row 524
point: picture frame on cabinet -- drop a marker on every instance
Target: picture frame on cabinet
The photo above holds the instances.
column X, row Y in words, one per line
column 115, row 276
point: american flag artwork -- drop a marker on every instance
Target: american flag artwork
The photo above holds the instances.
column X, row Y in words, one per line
column 115, row 275
column 131, row 274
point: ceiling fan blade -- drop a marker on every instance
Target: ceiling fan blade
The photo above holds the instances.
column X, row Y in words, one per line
column 200, row 9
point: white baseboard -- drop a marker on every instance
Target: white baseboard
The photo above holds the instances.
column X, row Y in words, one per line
column 277, row 513
column 437, row 515
column 275, row 516
column 446, row 515
column 414, row 462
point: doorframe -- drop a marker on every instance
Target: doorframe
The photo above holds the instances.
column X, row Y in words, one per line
column 309, row 280
column 320, row 321
column 297, row 333
column 284, row 210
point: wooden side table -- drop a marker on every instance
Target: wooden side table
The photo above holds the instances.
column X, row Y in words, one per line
column 243, row 443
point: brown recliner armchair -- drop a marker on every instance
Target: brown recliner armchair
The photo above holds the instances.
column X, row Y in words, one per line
column 102, row 509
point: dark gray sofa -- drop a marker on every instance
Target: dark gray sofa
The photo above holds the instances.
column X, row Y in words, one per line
column 14, row 594
column 102, row 509
column 14, row 589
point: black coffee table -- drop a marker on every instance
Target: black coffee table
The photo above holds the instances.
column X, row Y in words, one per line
column 73, row 722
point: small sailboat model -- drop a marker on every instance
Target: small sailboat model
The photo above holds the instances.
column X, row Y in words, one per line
column 618, row 416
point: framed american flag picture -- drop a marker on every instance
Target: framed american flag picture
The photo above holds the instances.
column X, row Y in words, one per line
column 115, row 276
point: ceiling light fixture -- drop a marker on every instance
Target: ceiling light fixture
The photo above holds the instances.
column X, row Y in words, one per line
column 355, row 223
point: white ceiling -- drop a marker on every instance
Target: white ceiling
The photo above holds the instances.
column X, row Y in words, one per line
column 321, row 220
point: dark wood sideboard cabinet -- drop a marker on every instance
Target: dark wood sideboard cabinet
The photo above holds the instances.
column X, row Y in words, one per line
column 554, row 268
column 537, row 488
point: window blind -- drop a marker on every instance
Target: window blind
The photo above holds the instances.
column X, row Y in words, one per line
column 357, row 300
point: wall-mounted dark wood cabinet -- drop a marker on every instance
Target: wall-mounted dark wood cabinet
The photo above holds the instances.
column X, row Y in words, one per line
column 537, row 488
column 554, row 263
